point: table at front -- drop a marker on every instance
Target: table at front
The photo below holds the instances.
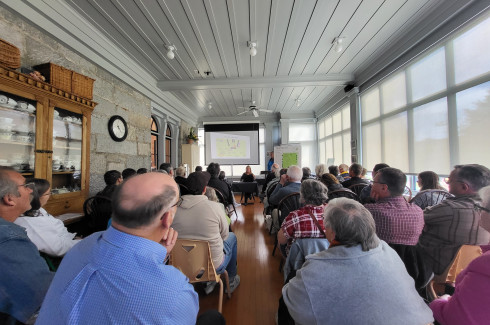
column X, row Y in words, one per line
column 245, row 187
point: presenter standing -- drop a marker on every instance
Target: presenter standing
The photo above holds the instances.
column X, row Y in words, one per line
column 271, row 161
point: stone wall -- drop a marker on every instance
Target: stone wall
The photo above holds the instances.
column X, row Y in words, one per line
column 113, row 96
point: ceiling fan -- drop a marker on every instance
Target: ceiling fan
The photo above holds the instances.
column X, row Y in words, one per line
column 254, row 109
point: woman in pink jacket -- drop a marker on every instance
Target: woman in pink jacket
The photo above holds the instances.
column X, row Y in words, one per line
column 471, row 300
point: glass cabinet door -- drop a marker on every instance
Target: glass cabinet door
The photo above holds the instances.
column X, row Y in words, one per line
column 67, row 151
column 17, row 133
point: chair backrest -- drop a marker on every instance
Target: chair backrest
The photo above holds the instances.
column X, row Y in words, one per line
column 220, row 196
column 407, row 193
column 343, row 193
column 183, row 189
column 288, row 204
column 193, row 258
column 97, row 212
column 429, row 198
column 357, row 188
column 270, row 189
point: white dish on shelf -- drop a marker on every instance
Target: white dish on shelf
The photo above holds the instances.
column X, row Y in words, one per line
column 22, row 106
column 11, row 103
column 30, row 108
column 3, row 99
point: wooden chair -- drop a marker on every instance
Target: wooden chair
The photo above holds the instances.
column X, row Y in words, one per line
column 288, row 204
column 268, row 193
column 466, row 254
column 429, row 198
column 97, row 211
column 221, row 199
column 193, row 258
column 357, row 188
column 343, row 193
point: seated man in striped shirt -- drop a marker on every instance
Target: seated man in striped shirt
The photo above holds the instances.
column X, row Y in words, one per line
column 397, row 221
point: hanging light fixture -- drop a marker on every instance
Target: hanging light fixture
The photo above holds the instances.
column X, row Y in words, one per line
column 210, row 105
column 298, row 102
column 337, row 44
column 170, row 51
column 253, row 47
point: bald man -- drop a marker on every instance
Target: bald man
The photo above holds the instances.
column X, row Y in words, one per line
column 119, row 276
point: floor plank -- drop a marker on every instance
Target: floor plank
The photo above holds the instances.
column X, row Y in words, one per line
column 255, row 301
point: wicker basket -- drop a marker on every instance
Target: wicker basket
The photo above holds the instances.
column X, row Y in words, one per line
column 9, row 55
column 67, row 80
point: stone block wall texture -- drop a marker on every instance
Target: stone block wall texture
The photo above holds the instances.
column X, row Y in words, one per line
column 114, row 97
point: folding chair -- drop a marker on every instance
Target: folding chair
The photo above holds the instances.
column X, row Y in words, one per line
column 193, row 258
column 343, row 193
column 221, row 199
column 357, row 188
column 429, row 198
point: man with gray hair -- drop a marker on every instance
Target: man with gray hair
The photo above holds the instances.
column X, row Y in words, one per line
column 24, row 275
column 332, row 285
column 288, row 183
column 397, row 221
column 119, row 275
column 454, row 222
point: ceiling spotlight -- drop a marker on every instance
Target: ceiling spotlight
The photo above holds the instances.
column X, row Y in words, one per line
column 337, row 44
column 170, row 52
column 298, row 102
column 253, row 47
column 210, row 105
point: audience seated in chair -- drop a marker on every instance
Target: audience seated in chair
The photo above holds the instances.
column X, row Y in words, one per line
column 331, row 182
column 306, row 173
column 454, row 222
column 431, row 192
column 222, row 186
column 397, row 221
column 289, row 183
column 24, row 275
column 355, row 171
column 112, row 178
column 128, row 172
column 271, row 175
column 298, row 251
column 365, row 195
column 319, row 171
column 46, row 232
column 300, row 223
column 469, row 303
column 180, row 177
column 166, row 167
column 343, row 173
column 201, row 219
column 128, row 256
column 356, row 265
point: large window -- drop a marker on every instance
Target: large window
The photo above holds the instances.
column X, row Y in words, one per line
column 304, row 133
column 168, row 145
column 154, row 143
column 334, row 137
column 432, row 114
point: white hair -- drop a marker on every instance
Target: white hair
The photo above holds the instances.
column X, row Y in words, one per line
column 295, row 173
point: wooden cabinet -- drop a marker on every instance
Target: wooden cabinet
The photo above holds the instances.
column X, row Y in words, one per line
column 45, row 133
column 190, row 156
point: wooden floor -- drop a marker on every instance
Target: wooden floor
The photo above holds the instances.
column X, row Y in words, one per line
column 255, row 301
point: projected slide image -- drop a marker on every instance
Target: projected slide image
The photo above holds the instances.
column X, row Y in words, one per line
column 229, row 146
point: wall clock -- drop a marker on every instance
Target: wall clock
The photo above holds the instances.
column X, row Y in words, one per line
column 118, row 128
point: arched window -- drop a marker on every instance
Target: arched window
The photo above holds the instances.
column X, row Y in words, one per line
column 154, row 143
column 168, row 144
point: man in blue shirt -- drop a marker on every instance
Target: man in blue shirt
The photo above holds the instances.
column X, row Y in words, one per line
column 24, row 275
column 119, row 276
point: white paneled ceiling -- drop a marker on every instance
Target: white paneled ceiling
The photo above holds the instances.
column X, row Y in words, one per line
column 212, row 65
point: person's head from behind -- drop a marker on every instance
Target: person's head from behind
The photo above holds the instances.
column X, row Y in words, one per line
column 364, row 172
column 329, row 179
column 355, row 170
column 127, row 173
column 180, row 171
column 211, row 194
column 15, row 194
column 145, row 202
column 40, row 195
column 350, row 224
column 313, row 192
column 378, row 167
column 468, row 179
column 213, row 169
column 388, row 182
column 306, row 172
column 428, row 180
column 294, row 173
column 198, row 169
column 319, row 170
column 168, row 168
column 142, row 171
column 484, row 208
column 197, row 182
column 113, row 177
column 334, row 170
column 222, row 175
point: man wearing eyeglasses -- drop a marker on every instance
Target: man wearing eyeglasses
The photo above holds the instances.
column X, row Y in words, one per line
column 119, row 276
column 24, row 275
column 454, row 222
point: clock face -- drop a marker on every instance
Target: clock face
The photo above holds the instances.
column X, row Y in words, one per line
column 118, row 129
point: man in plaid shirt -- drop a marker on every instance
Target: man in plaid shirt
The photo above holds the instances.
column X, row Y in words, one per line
column 397, row 221
column 455, row 221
